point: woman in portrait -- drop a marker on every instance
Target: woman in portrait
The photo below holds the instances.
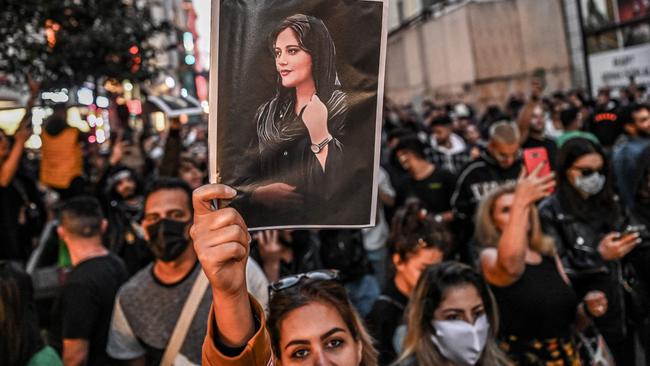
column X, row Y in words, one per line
column 299, row 129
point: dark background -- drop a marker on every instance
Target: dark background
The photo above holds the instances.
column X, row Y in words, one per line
column 248, row 78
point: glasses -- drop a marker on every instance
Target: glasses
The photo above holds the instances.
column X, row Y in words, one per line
column 585, row 172
column 290, row 281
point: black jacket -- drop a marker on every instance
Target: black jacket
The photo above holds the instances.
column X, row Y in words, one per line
column 577, row 245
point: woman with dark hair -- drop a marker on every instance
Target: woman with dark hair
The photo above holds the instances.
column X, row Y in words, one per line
column 452, row 320
column 311, row 320
column 416, row 241
column 299, row 129
column 538, row 307
column 586, row 222
column 20, row 339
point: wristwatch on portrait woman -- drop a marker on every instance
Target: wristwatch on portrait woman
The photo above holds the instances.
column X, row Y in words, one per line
column 317, row 148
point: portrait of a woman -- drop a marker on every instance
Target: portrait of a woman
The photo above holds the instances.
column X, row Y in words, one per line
column 299, row 129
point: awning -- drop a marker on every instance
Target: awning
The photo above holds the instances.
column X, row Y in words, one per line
column 176, row 106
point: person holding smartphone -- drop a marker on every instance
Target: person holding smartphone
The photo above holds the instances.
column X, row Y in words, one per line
column 586, row 222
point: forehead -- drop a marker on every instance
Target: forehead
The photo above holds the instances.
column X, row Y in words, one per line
column 300, row 323
column 426, row 256
column 286, row 38
column 591, row 159
column 505, row 148
column 166, row 200
column 504, row 200
column 461, row 297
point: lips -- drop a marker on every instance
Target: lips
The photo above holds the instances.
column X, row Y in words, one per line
column 285, row 72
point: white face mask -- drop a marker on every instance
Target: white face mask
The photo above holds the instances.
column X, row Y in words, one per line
column 460, row 342
column 591, row 184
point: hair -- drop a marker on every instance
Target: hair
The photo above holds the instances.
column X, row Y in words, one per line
column 638, row 107
column 431, row 289
column 488, row 234
column 505, row 132
column 169, row 183
column 569, row 198
column 443, row 120
column 20, row 338
column 314, row 38
column 568, row 116
column 329, row 293
column 82, row 216
column 414, row 228
column 412, row 144
column 525, row 115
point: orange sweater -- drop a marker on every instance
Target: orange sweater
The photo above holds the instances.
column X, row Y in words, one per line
column 258, row 349
column 60, row 158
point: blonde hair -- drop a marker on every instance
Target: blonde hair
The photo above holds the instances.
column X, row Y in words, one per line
column 505, row 132
column 488, row 234
column 431, row 289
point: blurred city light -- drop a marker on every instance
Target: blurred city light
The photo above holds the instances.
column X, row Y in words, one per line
column 128, row 86
column 56, row 97
column 102, row 102
column 34, row 142
column 190, row 60
column 184, row 92
column 85, row 96
column 188, row 41
column 170, row 82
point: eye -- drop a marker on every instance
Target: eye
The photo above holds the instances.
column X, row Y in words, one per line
column 453, row 317
column 335, row 343
column 300, row 353
column 277, row 54
column 293, row 51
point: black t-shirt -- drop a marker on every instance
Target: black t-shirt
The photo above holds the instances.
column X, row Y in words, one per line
column 386, row 315
column 85, row 304
column 434, row 191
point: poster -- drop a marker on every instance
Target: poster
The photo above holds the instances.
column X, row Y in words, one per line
column 296, row 92
column 629, row 11
column 614, row 68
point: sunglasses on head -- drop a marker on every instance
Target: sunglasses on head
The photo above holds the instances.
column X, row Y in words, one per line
column 290, row 281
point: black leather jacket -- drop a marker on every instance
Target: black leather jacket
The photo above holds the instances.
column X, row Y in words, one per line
column 577, row 246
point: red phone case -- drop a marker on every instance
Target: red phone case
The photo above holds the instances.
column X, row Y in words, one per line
column 535, row 156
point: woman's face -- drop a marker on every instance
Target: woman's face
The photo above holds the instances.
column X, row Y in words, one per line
column 315, row 334
column 191, row 175
column 501, row 211
column 292, row 62
column 410, row 269
column 585, row 166
column 460, row 303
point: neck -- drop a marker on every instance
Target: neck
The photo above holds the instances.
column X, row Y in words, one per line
column 447, row 143
column 402, row 285
column 174, row 271
column 86, row 248
column 539, row 135
column 421, row 169
column 304, row 92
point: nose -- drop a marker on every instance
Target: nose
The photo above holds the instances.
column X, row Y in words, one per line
column 282, row 59
column 319, row 358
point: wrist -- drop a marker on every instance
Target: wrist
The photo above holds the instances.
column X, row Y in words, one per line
column 320, row 137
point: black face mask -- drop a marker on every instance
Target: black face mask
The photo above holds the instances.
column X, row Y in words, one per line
column 167, row 239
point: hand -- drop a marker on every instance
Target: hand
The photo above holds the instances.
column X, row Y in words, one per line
column 34, row 87
column 614, row 246
column 221, row 240
column 595, row 303
column 269, row 245
column 532, row 188
column 23, row 133
column 276, row 195
column 117, row 153
column 315, row 119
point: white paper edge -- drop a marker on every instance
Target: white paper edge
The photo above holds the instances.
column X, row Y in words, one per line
column 212, row 124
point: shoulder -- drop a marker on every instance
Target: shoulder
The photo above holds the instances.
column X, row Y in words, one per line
column 338, row 101
column 134, row 286
column 472, row 169
column 549, row 207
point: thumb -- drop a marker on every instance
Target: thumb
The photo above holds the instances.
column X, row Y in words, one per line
column 203, row 196
column 522, row 173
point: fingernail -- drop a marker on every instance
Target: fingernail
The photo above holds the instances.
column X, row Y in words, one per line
column 230, row 191
column 639, row 241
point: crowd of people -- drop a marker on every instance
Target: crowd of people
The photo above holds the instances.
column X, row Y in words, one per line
column 476, row 258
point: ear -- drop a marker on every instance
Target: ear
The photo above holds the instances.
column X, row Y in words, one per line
column 145, row 232
column 104, row 226
column 60, row 231
column 397, row 261
column 360, row 351
column 630, row 129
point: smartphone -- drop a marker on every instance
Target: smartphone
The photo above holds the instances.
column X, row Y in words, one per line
column 632, row 229
column 535, row 156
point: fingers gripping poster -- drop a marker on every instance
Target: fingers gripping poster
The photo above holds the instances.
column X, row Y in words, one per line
column 296, row 91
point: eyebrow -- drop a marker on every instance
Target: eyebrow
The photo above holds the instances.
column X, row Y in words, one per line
column 323, row 337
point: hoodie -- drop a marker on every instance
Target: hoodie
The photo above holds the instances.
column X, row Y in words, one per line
column 630, row 159
column 453, row 158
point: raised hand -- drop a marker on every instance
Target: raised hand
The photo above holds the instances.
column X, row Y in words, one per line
column 531, row 188
column 315, row 119
column 596, row 303
column 221, row 240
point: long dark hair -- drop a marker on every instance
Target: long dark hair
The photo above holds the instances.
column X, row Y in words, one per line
column 327, row 292
column 313, row 38
column 20, row 338
column 430, row 291
column 601, row 205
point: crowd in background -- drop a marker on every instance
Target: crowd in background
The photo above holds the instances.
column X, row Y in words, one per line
column 474, row 258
